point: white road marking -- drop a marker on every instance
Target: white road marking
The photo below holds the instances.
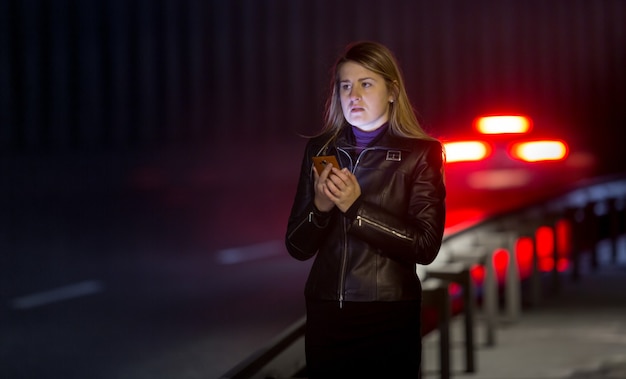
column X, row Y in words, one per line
column 250, row 253
column 39, row 299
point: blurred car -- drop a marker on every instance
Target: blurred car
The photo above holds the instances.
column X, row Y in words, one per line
column 506, row 162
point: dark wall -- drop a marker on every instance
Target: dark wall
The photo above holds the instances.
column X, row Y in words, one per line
column 110, row 74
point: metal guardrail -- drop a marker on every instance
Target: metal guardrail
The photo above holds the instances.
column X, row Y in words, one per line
column 283, row 357
column 582, row 206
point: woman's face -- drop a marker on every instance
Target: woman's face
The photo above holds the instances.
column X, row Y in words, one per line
column 364, row 96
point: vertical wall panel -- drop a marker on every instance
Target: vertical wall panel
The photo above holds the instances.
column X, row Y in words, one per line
column 199, row 68
column 299, row 65
column 173, row 57
column 147, row 71
column 320, row 60
column 58, row 90
column 251, row 92
column 29, row 78
column 579, row 38
column 561, row 77
column 616, row 32
column 271, row 96
column 90, row 71
column 7, row 122
column 117, row 49
column 223, row 75
column 527, row 58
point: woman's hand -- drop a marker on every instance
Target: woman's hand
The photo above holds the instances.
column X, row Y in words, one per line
column 341, row 187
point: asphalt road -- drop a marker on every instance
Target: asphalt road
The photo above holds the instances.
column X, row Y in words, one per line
column 116, row 267
column 157, row 279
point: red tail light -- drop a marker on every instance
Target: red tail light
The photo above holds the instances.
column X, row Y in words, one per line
column 466, row 151
column 536, row 151
column 503, row 125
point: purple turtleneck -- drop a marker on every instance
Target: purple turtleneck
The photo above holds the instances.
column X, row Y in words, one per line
column 363, row 138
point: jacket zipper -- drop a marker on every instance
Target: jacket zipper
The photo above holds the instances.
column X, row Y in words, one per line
column 344, row 254
column 344, row 262
column 382, row 227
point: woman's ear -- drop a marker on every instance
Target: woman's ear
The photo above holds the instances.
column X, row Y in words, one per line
column 394, row 91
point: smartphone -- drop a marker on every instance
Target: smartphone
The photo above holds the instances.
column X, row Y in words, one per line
column 321, row 162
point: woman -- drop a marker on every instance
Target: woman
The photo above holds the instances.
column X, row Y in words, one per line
column 367, row 223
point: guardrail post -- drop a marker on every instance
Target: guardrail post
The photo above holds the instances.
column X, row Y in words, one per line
column 614, row 226
column 535, row 275
column 591, row 232
column 556, row 282
column 550, row 219
column 459, row 273
column 435, row 293
column 484, row 258
column 575, row 216
column 619, row 222
column 527, row 228
column 512, row 282
column 506, row 240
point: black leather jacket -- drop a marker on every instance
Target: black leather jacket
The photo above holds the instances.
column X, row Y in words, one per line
column 369, row 253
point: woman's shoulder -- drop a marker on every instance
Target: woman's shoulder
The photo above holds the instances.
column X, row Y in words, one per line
column 319, row 141
column 414, row 143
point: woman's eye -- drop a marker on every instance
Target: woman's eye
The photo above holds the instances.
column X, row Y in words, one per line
column 345, row 87
column 366, row 84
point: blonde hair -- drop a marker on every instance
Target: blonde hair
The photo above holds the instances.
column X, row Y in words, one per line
column 379, row 59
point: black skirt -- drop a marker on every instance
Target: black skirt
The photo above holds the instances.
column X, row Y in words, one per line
column 363, row 339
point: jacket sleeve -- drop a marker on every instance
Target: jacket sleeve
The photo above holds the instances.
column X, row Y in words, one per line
column 307, row 227
column 416, row 236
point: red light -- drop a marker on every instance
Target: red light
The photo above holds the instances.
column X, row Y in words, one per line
column 545, row 248
column 547, row 242
column 564, row 237
column 536, row 151
column 500, row 263
column 454, row 289
column 478, row 274
column 524, row 249
column 466, row 151
column 503, row 125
